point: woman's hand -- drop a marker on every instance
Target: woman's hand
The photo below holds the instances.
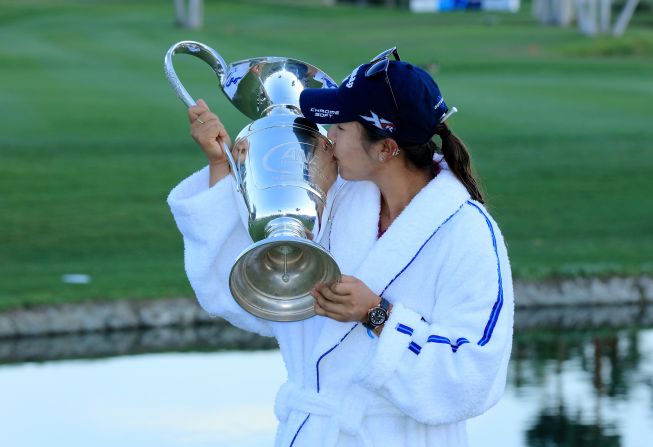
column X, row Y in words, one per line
column 348, row 300
column 209, row 132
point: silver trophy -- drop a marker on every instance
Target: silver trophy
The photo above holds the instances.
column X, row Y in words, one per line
column 282, row 166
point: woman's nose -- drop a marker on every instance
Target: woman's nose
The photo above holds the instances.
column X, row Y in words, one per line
column 331, row 133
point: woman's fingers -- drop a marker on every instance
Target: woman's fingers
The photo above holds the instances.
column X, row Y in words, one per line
column 328, row 306
column 340, row 288
column 318, row 309
column 208, row 131
column 222, row 133
column 349, row 300
column 200, row 113
column 195, row 111
column 333, row 305
column 207, row 122
column 347, row 279
column 331, row 294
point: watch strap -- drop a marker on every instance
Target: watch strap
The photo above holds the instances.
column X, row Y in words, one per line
column 384, row 304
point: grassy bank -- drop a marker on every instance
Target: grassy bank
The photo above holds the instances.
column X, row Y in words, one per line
column 92, row 138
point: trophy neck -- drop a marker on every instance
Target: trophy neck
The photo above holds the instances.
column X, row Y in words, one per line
column 285, row 227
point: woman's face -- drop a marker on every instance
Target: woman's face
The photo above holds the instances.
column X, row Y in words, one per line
column 354, row 161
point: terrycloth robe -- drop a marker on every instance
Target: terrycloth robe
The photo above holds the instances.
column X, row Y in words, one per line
column 443, row 354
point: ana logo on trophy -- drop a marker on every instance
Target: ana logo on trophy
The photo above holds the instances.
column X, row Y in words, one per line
column 287, row 161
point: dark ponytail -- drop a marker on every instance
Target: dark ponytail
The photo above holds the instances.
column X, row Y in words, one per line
column 457, row 157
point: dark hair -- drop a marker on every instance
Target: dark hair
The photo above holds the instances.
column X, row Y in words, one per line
column 455, row 154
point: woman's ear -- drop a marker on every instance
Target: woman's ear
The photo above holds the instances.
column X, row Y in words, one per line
column 388, row 150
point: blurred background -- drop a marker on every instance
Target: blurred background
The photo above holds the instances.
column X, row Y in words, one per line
column 555, row 105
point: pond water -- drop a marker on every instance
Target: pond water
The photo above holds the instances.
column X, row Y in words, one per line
column 565, row 388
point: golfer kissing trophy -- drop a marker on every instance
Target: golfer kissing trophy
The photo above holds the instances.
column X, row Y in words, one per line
column 282, row 165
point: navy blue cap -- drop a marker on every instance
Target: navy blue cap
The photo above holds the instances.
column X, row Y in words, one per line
column 368, row 100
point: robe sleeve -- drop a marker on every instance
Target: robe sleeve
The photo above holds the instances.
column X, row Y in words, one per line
column 451, row 365
column 213, row 237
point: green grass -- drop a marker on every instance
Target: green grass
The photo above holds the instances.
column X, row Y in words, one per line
column 92, row 138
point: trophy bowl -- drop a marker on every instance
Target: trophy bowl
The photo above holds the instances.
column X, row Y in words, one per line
column 282, row 165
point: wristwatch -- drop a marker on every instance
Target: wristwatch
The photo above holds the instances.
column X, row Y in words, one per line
column 378, row 315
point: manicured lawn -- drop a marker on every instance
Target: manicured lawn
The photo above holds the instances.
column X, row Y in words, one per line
column 92, row 138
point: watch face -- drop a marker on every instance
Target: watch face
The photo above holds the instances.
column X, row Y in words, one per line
column 377, row 316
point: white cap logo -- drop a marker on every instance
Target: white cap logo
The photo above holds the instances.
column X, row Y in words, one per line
column 379, row 122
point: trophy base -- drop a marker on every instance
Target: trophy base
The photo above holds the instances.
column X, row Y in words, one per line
column 273, row 277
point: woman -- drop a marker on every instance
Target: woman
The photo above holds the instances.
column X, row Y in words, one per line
column 416, row 337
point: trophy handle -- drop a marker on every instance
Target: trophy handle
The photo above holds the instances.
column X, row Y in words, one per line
column 197, row 49
column 219, row 66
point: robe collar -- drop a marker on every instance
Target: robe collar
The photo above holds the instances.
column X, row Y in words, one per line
column 377, row 263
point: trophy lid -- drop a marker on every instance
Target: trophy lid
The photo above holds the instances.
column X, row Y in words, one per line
column 254, row 86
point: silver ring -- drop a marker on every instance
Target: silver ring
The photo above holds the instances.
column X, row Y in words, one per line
column 201, row 122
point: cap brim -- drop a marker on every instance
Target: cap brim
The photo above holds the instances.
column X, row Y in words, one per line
column 323, row 106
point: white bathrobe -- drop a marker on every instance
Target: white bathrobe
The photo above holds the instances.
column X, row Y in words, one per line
column 443, row 354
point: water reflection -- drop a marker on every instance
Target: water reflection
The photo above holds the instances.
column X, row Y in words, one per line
column 555, row 427
column 609, row 362
column 587, row 388
column 566, row 387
